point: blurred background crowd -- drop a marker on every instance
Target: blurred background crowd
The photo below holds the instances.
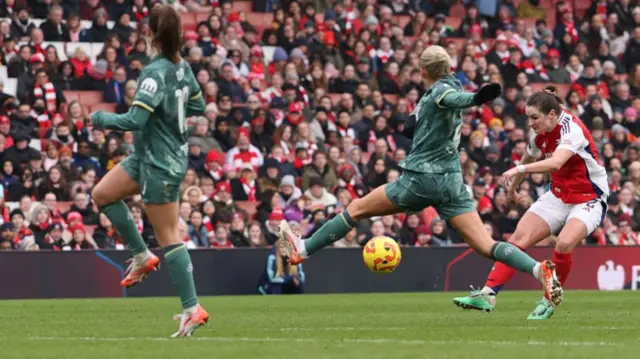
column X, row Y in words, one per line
column 306, row 102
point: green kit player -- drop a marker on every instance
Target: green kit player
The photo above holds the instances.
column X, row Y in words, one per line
column 432, row 177
column 167, row 93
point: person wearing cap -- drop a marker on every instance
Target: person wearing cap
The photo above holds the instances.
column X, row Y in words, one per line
column 432, row 176
column 500, row 53
column 625, row 235
column 225, row 206
column 270, row 176
column 288, row 189
column 21, row 152
column 557, row 73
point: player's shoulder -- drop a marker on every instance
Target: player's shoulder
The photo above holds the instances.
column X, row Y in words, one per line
column 443, row 86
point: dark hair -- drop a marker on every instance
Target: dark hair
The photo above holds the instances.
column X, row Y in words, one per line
column 166, row 28
column 546, row 100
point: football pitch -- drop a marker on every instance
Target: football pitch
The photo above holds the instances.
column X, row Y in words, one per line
column 418, row 325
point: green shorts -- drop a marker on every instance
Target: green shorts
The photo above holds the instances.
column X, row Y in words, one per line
column 156, row 185
column 415, row 191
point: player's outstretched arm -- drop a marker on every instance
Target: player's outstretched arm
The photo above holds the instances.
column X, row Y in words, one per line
column 461, row 100
column 133, row 120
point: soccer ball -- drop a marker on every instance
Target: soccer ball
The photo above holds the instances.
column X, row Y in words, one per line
column 382, row 255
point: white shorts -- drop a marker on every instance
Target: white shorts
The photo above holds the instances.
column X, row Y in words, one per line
column 556, row 213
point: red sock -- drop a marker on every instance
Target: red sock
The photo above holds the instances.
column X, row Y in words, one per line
column 500, row 275
column 563, row 263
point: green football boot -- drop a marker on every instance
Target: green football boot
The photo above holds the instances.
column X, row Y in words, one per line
column 479, row 299
column 544, row 310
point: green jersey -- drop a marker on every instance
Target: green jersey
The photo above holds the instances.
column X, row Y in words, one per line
column 169, row 93
column 437, row 132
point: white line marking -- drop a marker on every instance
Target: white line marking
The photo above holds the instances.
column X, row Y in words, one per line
column 294, row 329
column 351, row 341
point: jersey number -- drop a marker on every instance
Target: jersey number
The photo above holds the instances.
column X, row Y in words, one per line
column 183, row 96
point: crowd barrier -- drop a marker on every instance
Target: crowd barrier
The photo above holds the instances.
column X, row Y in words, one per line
column 87, row 274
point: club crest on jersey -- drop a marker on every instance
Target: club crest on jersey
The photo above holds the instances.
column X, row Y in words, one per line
column 149, row 86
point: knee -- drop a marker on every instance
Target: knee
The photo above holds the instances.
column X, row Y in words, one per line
column 565, row 245
column 99, row 196
column 356, row 210
column 520, row 240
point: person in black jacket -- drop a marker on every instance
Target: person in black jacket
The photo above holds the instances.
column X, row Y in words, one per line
column 21, row 25
column 24, row 187
column 20, row 64
column 237, row 234
column 65, row 80
column 99, row 31
column 94, row 78
column 245, row 187
column 54, row 29
column 82, row 205
column 23, row 124
column 632, row 53
column 27, row 79
column 122, row 28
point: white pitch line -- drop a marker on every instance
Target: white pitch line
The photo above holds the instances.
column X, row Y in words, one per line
column 351, row 341
column 295, row 329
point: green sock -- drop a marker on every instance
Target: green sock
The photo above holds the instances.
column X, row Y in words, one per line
column 512, row 256
column 181, row 271
column 330, row 232
column 119, row 214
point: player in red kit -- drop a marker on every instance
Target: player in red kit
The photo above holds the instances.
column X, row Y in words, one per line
column 574, row 207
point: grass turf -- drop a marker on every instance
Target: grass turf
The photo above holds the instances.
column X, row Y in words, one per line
column 423, row 325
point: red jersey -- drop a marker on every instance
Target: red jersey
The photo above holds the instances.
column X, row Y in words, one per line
column 581, row 178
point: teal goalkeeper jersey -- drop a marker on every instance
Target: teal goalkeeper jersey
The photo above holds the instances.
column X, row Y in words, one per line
column 170, row 92
column 437, row 132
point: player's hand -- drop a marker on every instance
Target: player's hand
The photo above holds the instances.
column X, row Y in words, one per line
column 507, row 177
column 487, row 93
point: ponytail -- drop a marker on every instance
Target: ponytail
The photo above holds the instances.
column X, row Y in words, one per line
column 167, row 31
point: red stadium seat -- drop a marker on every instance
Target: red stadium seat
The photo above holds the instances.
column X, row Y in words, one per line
column 63, row 206
column 189, row 21
column 393, row 99
column 88, row 98
column 43, row 145
column 202, row 16
column 109, row 107
column 259, row 19
column 70, row 95
column 249, row 207
column 244, row 6
column 457, row 11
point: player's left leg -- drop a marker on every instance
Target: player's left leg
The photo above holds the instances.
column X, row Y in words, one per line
column 376, row 203
column 160, row 195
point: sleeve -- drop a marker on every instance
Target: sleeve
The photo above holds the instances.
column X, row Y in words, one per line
column 446, row 96
column 150, row 91
column 532, row 149
column 196, row 104
column 133, row 120
column 571, row 136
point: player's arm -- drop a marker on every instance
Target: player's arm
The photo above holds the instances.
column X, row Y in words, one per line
column 515, row 182
column 196, row 104
column 558, row 159
column 133, row 120
column 149, row 95
column 451, row 98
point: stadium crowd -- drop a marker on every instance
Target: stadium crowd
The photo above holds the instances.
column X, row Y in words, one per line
column 305, row 114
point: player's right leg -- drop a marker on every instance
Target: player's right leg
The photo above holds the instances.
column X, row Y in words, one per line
column 530, row 230
column 376, row 203
column 117, row 184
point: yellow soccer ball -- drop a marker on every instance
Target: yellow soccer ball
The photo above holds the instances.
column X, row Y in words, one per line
column 382, row 255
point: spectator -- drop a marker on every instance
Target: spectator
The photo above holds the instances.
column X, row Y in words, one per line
column 244, row 152
column 319, row 168
column 196, row 230
column 22, row 25
column 245, row 188
column 221, row 239
column 114, row 91
column 127, row 98
column 105, row 235
column 53, row 28
column 280, row 277
column 230, row 86
column 19, row 188
column 99, row 30
column 201, row 137
column 320, row 197
column 237, row 232
column 80, row 239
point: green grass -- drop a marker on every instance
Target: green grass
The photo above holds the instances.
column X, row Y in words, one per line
column 423, row 325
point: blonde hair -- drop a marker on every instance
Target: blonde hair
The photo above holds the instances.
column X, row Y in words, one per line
column 435, row 61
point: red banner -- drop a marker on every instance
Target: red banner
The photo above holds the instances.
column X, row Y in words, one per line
column 603, row 268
